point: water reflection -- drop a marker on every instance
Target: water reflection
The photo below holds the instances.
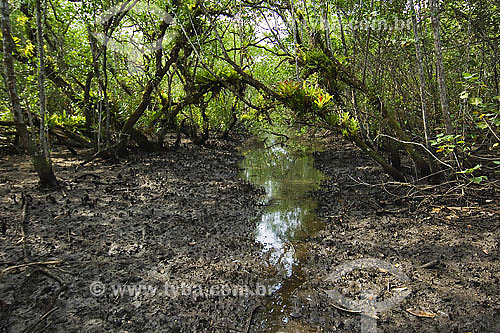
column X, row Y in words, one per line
column 286, row 176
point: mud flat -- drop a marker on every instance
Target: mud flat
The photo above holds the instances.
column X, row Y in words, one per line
column 180, row 221
column 446, row 246
column 159, row 242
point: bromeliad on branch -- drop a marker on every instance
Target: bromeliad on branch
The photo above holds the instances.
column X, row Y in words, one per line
column 322, row 100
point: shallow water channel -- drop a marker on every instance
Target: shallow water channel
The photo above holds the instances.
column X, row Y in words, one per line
column 286, row 172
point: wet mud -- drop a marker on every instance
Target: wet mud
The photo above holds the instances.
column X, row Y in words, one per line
column 181, row 221
column 169, row 242
column 434, row 260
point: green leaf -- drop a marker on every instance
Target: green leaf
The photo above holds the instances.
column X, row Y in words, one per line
column 470, row 170
column 479, row 179
column 476, row 101
column 469, row 76
column 482, row 125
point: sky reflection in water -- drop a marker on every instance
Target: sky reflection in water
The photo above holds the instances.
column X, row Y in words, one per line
column 286, row 177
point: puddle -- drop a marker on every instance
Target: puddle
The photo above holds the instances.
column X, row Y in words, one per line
column 286, row 172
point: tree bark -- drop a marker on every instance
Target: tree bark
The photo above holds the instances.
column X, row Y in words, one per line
column 161, row 71
column 421, row 75
column 87, row 105
column 324, row 14
column 107, row 132
column 443, row 94
column 95, row 63
column 42, row 165
column 374, row 99
column 389, row 169
column 365, row 62
column 44, row 149
column 146, row 95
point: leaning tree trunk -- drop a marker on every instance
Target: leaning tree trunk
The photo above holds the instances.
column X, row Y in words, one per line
column 42, row 165
column 346, row 76
column 150, row 87
column 439, row 67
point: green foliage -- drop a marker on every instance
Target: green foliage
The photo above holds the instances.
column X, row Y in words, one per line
column 312, row 102
column 447, row 143
column 485, row 112
column 316, row 60
column 470, row 170
column 205, row 80
column 377, row 47
column 69, row 121
column 478, row 179
column 287, row 88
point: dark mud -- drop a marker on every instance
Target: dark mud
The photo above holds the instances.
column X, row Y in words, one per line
column 456, row 239
column 180, row 219
column 184, row 219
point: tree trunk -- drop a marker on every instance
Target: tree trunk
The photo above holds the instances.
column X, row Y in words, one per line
column 87, row 105
column 42, row 165
column 95, row 63
column 41, row 80
column 421, row 75
column 151, row 86
column 107, row 131
column 389, row 169
column 365, row 63
column 443, row 94
column 343, row 74
column 324, row 14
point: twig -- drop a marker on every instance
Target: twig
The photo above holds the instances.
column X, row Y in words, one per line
column 338, row 307
column 51, row 308
column 50, row 262
column 50, row 275
column 491, row 130
column 227, row 328
column 418, row 144
column 32, row 327
column 280, row 134
column 249, row 322
column 273, row 145
column 430, row 264
column 24, row 222
column 489, row 158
